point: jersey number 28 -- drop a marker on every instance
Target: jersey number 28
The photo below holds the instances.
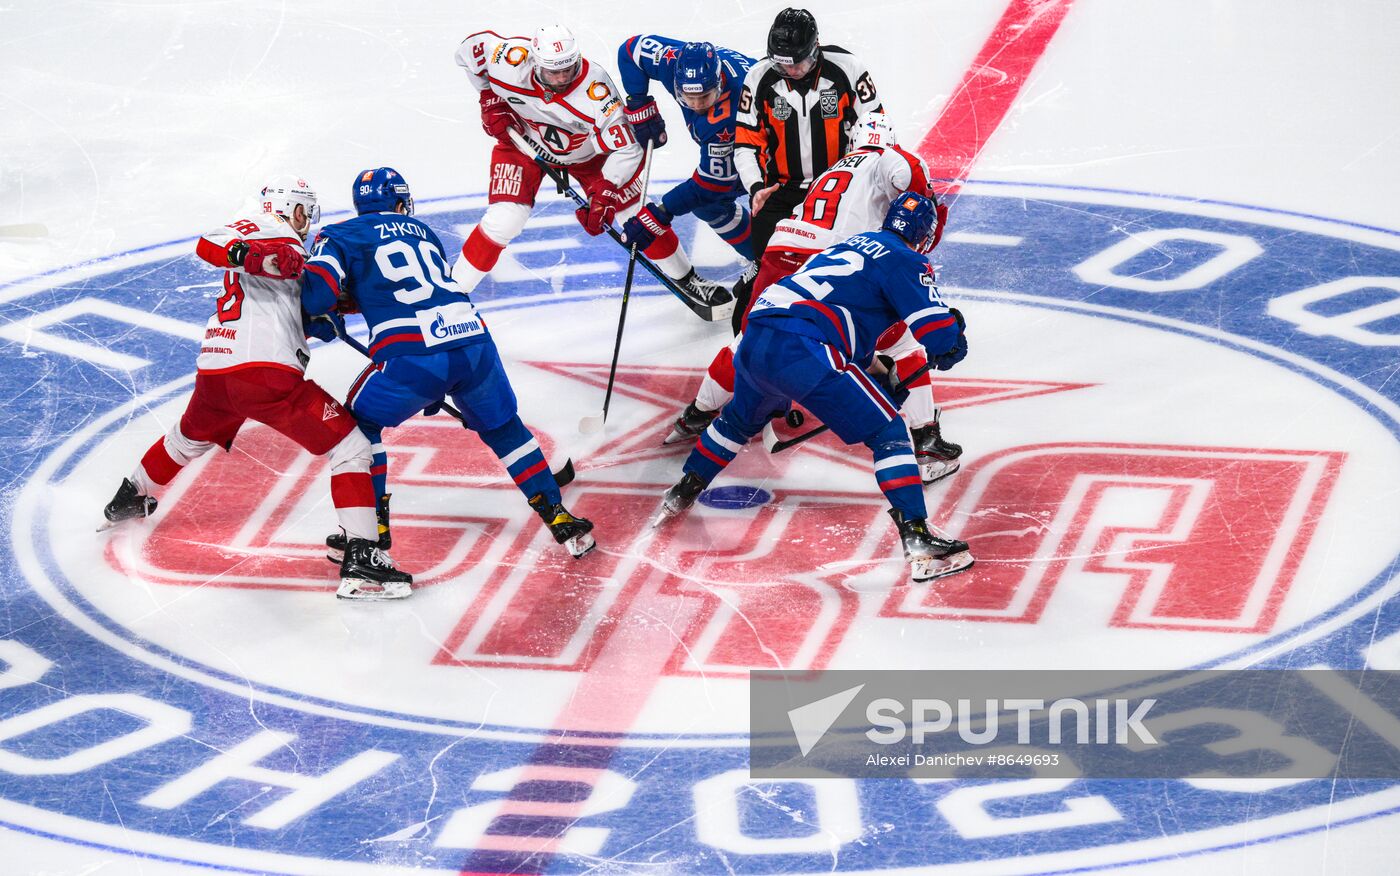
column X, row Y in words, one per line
column 424, row 268
column 824, row 199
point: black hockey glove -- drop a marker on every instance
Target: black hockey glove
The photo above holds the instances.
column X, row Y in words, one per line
column 644, row 228
column 646, row 121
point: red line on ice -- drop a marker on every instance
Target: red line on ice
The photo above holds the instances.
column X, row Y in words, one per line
column 988, row 88
column 612, row 694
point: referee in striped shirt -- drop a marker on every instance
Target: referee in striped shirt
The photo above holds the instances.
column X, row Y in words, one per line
column 794, row 111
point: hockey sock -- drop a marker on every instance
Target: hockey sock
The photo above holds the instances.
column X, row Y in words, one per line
column 918, row 409
column 896, row 471
column 735, row 232
column 520, row 453
column 667, row 254
column 165, row 458
column 479, row 255
column 715, row 449
column 352, row 490
column 379, row 458
column 717, row 386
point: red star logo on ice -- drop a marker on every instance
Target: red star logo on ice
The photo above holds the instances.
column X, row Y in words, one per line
column 665, row 390
column 670, row 55
column 725, row 136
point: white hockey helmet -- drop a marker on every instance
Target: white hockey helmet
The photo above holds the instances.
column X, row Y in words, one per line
column 557, row 57
column 873, row 129
column 281, row 196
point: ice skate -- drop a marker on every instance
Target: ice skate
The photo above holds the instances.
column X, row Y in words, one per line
column 570, row 531
column 679, row 497
column 690, row 424
column 710, row 300
column 368, row 573
column 929, row 556
column 936, row 458
column 335, row 544
column 127, row 504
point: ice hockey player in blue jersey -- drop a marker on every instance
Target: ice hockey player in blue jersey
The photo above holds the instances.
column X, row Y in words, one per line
column 705, row 81
column 427, row 342
column 810, row 338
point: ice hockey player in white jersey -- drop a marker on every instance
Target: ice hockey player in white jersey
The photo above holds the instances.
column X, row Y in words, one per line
column 569, row 107
column 851, row 196
column 251, row 367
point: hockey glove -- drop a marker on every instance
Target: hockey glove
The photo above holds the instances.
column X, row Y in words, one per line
column 271, row 258
column 944, row 361
column 900, row 394
column 497, row 117
column 602, row 207
column 646, row 121
column 644, row 228
column 942, row 211
column 346, row 303
column 326, row 327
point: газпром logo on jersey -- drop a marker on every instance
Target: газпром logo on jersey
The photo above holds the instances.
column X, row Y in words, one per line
column 1170, row 427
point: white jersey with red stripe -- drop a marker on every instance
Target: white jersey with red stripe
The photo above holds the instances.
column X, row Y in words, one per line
column 257, row 320
column 582, row 123
column 851, row 196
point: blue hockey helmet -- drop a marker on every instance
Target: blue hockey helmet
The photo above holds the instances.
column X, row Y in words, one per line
column 697, row 76
column 914, row 218
column 379, row 190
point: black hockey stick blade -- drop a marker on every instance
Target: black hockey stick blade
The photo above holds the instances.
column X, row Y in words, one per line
column 780, row 446
column 565, row 476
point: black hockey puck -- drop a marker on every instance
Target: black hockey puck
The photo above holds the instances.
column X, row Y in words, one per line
column 795, row 419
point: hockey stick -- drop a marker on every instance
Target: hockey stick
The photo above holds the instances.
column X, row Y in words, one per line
column 770, row 437
column 707, row 312
column 594, row 424
column 563, row 477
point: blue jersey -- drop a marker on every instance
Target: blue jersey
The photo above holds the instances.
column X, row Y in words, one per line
column 393, row 267
column 847, row 295
column 643, row 59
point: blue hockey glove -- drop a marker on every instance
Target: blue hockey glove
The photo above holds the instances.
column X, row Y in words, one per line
column 325, row 327
column 944, row 361
column 644, row 228
column 646, row 121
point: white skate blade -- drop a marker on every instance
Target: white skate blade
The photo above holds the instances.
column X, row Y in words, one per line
column 580, row 545
column 113, row 524
column 358, row 588
column 677, row 436
column 664, row 513
column 928, row 568
column 937, row 470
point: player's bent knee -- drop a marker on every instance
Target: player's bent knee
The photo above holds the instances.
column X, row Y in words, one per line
column 352, row 453
column 890, row 437
column 184, row 450
column 503, row 222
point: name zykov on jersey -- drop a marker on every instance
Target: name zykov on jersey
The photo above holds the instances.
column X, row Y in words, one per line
column 392, row 267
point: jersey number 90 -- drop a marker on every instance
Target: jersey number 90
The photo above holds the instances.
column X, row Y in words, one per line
column 415, row 272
